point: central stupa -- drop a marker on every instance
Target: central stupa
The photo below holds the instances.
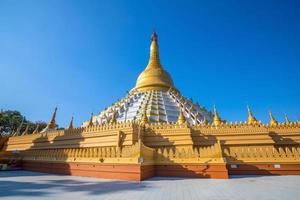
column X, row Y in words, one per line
column 155, row 131
column 153, row 99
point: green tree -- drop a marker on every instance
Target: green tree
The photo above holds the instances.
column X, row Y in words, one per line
column 10, row 120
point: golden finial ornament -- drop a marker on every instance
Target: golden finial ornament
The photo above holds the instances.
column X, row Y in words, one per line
column 52, row 123
column 144, row 117
column 36, row 130
column 26, row 131
column 154, row 76
column 216, row 119
column 251, row 119
column 181, row 118
column 71, row 123
column 18, row 131
column 113, row 119
column 91, row 120
column 287, row 121
column 273, row 122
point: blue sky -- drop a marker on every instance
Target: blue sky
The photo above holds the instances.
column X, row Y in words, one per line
column 84, row 55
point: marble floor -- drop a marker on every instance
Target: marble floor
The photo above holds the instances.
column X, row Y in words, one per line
column 31, row 185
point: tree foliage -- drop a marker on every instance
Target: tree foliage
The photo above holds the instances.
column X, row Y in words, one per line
column 10, row 121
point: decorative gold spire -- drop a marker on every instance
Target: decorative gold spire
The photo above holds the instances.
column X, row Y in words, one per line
column 25, row 132
column 36, row 130
column 18, row 131
column 287, row 121
column 71, row 123
column 144, row 117
column 113, row 119
column 216, row 119
column 181, row 118
column 251, row 119
column 273, row 122
column 154, row 76
column 52, row 123
column 91, row 120
column 154, row 61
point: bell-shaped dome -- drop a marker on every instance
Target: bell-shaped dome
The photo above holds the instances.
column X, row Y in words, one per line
column 154, row 76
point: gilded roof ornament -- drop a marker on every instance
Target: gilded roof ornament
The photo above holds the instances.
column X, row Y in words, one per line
column 216, row 119
column 251, row 119
column 144, row 117
column 26, row 131
column 36, row 130
column 287, row 121
column 18, row 131
column 113, row 119
column 91, row 120
column 52, row 123
column 273, row 122
column 181, row 118
column 71, row 123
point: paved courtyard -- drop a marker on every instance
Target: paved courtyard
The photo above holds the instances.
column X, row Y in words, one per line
column 31, row 185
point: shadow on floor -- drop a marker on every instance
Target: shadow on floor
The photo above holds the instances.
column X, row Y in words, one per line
column 20, row 173
column 38, row 184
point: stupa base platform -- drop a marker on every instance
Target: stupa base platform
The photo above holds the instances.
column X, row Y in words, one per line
column 130, row 172
column 139, row 172
column 264, row 169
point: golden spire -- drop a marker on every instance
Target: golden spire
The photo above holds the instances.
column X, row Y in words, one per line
column 25, row 132
column 71, row 123
column 144, row 117
column 52, row 123
column 181, row 118
column 251, row 119
column 154, row 61
column 36, row 130
column 287, row 121
column 113, row 119
column 91, row 120
column 18, row 131
column 154, row 76
column 216, row 119
column 273, row 122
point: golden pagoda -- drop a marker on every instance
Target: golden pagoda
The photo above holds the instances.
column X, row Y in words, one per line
column 216, row 120
column 181, row 118
column 251, row 119
column 273, row 121
column 71, row 123
column 51, row 126
column 155, row 131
